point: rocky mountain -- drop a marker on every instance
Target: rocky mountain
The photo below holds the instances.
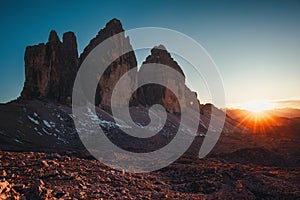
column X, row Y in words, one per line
column 153, row 93
column 42, row 118
column 116, row 69
column 51, row 68
column 42, row 156
column 43, row 111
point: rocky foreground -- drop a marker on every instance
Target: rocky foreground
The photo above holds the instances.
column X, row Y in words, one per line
column 34, row 175
column 246, row 164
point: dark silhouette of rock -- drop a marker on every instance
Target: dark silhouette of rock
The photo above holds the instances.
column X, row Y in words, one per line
column 116, row 69
column 51, row 68
column 157, row 94
column 42, row 156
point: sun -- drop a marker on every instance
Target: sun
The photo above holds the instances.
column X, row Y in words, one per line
column 256, row 118
column 257, row 106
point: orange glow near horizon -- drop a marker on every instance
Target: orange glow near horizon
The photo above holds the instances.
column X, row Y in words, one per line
column 257, row 106
column 258, row 122
column 257, row 117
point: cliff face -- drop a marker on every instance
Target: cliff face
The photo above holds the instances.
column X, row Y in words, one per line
column 156, row 94
column 116, row 69
column 50, row 69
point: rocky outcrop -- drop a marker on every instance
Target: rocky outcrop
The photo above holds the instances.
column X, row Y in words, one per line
column 116, row 69
column 157, row 94
column 7, row 191
column 51, row 68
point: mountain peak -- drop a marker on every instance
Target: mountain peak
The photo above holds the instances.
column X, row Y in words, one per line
column 161, row 47
column 53, row 37
column 68, row 36
column 113, row 27
column 152, row 93
column 160, row 54
column 50, row 69
column 114, row 24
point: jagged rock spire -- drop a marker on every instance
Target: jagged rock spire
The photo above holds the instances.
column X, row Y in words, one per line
column 53, row 37
column 156, row 94
column 51, row 68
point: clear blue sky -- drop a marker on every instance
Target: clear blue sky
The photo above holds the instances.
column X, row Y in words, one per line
column 255, row 44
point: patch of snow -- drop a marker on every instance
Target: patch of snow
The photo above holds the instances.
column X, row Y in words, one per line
column 107, row 124
column 72, row 116
column 35, row 114
column 104, row 123
column 123, row 125
column 47, row 124
column 18, row 141
column 33, row 120
column 139, row 125
column 57, row 130
column 45, row 131
column 63, row 140
column 60, row 117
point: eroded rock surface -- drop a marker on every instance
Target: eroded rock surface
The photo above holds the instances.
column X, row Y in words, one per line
column 67, row 176
column 51, row 68
column 157, row 94
column 115, row 70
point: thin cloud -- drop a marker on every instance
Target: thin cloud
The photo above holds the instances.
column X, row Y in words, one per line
column 295, row 103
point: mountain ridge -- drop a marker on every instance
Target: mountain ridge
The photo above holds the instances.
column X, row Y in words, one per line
column 41, row 118
column 51, row 69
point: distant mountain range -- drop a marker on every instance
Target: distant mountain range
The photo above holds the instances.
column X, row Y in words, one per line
column 285, row 112
column 280, row 112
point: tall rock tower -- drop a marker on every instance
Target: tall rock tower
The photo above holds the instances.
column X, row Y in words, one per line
column 157, row 94
column 50, row 69
column 116, row 69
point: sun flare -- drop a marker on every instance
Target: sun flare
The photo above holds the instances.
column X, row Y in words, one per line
column 255, row 117
column 257, row 106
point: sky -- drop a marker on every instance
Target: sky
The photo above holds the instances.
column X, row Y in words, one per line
column 255, row 44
